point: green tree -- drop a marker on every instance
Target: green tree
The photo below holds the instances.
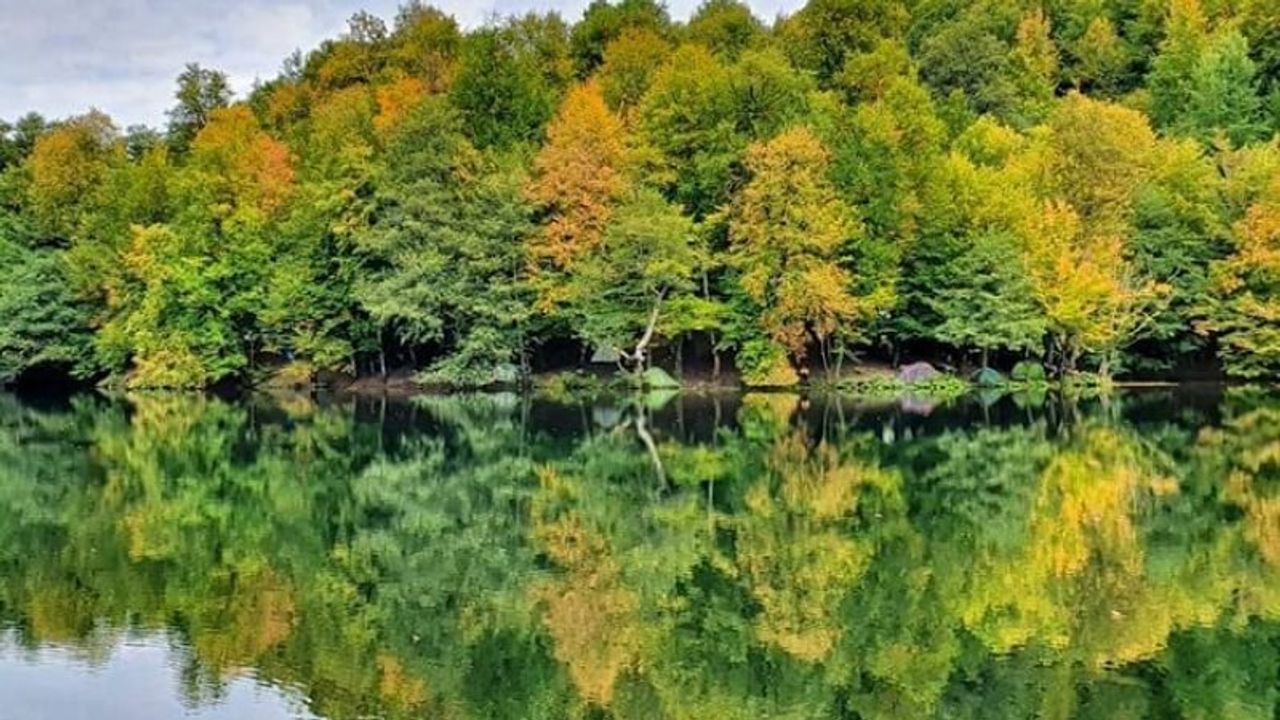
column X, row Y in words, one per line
column 1173, row 69
column 443, row 255
column 822, row 34
column 200, row 92
column 1224, row 95
column 45, row 323
column 618, row 295
column 605, row 21
column 726, row 27
column 1241, row 309
column 500, row 91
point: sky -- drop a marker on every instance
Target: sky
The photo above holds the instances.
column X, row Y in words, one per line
column 63, row 57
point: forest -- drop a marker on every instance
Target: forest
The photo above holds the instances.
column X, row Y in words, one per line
column 1089, row 185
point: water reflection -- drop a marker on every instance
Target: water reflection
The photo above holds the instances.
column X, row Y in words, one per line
column 130, row 675
column 688, row 557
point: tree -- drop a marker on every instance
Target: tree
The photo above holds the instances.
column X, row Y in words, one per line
column 577, row 178
column 1243, row 309
column 883, row 156
column 725, row 27
column 968, row 57
column 1180, row 227
column 700, row 115
column 967, row 285
column 617, row 295
column 503, row 97
column 45, row 324
column 425, row 44
column 67, row 167
column 184, row 307
column 1035, row 66
column 1101, row 57
column 181, row 312
column 605, row 21
column 824, row 33
column 1093, row 300
column 200, row 92
column 1224, row 95
column 246, row 168
column 1097, row 156
column 630, row 62
column 18, row 139
column 1173, row 69
column 787, row 228
column 687, row 117
column 442, row 254
column 868, row 75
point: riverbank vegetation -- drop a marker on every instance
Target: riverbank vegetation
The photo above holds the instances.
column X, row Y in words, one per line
column 1089, row 186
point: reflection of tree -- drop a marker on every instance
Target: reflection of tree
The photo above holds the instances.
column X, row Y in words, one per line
column 797, row 544
column 592, row 616
column 408, row 565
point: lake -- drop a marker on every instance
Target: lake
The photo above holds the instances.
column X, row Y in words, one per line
column 680, row 556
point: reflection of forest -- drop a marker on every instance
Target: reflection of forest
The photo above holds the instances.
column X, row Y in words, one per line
column 763, row 556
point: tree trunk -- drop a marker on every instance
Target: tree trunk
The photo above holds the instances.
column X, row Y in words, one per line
column 639, row 356
column 826, row 357
column 715, row 357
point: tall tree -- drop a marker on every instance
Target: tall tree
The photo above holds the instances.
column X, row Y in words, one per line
column 726, row 27
column 443, row 251
column 617, row 296
column 200, row 91
column 1243, row 310
column 787, row 229
column 578, row 178
column 1224, row 95
column 500, row 91
column 45, row 324
column 605, row 21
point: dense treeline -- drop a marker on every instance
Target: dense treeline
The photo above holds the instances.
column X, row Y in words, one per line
column 1093, row 184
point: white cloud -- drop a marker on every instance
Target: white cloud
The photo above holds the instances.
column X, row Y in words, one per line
column 62, row 57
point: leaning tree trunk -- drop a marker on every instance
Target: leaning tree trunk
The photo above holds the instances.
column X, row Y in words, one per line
column 639, row 356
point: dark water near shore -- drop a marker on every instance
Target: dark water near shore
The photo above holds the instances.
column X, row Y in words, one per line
column 720, row 556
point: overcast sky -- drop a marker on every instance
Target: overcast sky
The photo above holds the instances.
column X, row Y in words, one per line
column 62, row 57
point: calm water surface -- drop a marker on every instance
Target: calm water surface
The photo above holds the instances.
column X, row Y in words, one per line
column 735, row 556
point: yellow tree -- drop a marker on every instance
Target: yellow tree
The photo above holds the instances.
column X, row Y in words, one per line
column 1092, row 298
column 246, row 167
column 786, row 231
column 578, row 180
column 1085, row 169
column 1243, row 312
column 1096, row 155
column 67, row 166
column 630, row 64
column 395, row 100
column 1035, row 56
